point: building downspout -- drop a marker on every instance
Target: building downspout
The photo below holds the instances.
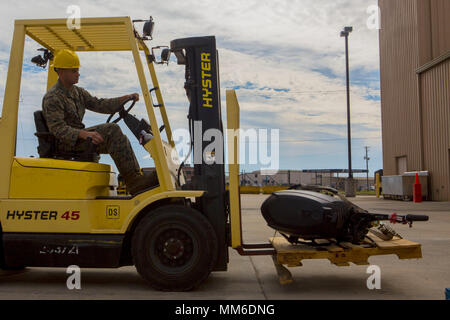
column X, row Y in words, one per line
column 419, row 112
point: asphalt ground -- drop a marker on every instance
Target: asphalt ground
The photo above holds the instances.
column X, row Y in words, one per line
column 255, row 278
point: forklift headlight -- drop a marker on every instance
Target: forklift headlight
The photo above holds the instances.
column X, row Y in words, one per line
column 147, row 31
column 41, row 61
column 165, row 55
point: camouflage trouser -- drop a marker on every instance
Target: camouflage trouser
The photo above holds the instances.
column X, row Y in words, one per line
column 116, row 144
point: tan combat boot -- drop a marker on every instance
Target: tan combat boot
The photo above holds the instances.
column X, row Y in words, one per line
column 138, row 183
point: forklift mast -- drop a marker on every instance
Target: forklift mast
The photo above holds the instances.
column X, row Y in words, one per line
column 199, row 55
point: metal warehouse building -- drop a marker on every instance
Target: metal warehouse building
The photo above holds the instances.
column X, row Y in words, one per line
column 415, row 90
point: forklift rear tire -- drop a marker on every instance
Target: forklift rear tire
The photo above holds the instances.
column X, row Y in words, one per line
column 174, row 248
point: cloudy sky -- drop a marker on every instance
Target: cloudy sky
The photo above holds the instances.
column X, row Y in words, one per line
column 285, row 59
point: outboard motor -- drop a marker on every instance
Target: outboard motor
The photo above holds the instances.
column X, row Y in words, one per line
column 310, row 215
column 306, row 214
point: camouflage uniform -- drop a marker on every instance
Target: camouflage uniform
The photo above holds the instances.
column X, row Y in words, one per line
column 64, row 110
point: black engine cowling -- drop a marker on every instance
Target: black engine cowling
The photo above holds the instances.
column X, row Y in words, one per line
column 307, row 214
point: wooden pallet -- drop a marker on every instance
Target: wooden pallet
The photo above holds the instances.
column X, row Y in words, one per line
column 340, row 254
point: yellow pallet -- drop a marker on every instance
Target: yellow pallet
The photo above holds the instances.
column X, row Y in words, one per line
column 340, row 254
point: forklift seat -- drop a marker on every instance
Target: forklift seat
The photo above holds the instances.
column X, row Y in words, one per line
column 48, row 144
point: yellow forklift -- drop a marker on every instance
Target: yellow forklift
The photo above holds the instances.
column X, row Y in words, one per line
column 65, row 209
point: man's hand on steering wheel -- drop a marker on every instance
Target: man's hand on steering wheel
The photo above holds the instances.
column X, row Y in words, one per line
column 133, row 96
column 122, row 112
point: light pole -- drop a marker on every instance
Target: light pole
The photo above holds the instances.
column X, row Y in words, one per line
column 367, row 165
column 350, row 189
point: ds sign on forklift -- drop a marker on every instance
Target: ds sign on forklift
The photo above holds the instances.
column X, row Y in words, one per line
column 64, row 209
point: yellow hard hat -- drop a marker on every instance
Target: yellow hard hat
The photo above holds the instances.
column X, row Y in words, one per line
column 66, row 59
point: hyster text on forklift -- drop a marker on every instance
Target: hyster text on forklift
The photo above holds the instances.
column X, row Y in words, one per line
column 64, row 209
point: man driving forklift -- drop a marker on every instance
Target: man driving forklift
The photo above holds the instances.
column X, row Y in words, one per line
column 63, row 108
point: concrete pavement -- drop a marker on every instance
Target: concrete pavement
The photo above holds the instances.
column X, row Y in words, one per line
column 255, row 277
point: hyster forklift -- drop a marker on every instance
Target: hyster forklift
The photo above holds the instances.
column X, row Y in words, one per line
column 64, row 209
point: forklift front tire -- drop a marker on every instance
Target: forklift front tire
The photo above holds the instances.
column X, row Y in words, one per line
column 174, row 248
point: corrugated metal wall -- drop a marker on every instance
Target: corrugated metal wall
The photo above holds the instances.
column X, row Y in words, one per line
column 399, row 90
column 440, row 26
column 415, row 106
column 435, row 94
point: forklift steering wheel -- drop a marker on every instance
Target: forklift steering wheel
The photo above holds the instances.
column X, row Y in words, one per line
column 122, row 112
